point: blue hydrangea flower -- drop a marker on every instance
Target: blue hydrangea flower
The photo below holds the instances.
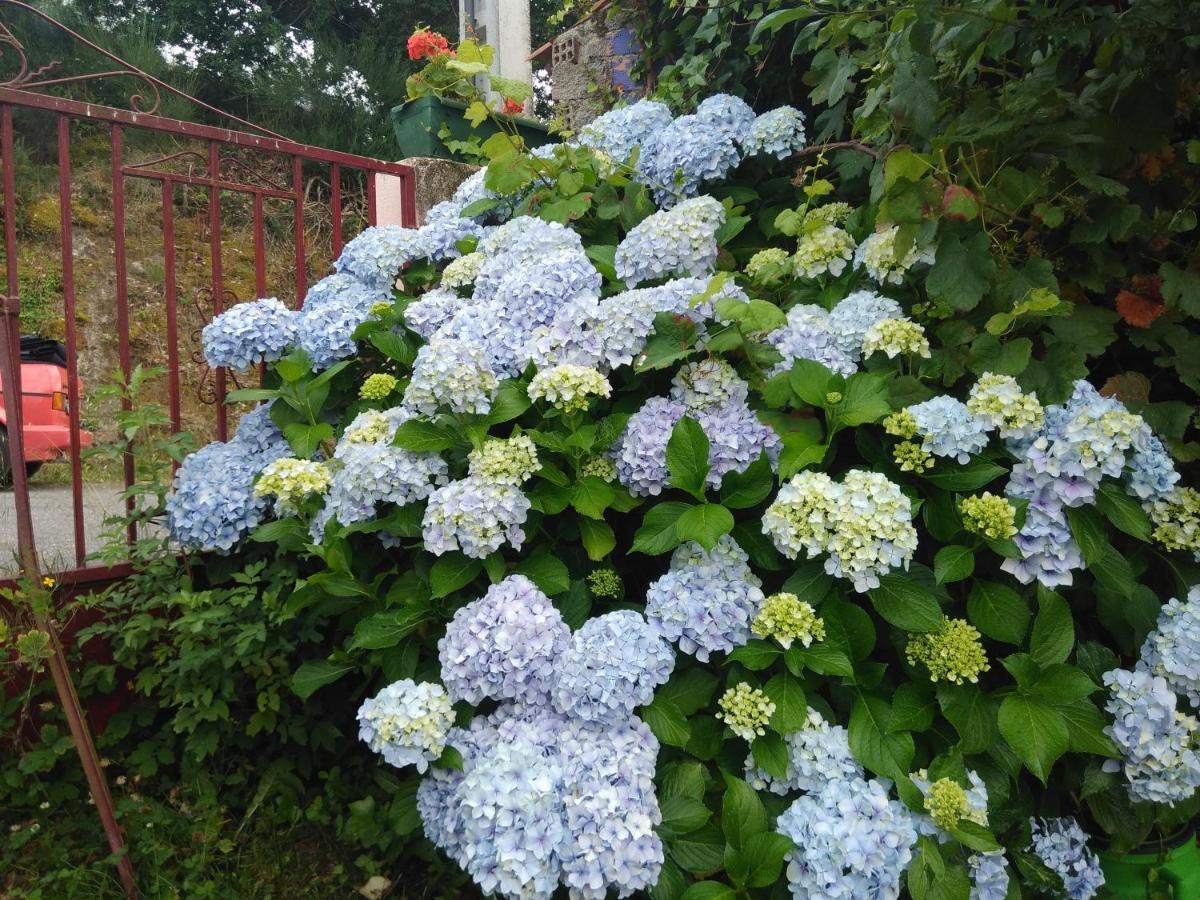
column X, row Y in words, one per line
column 432, row 310
column 340, row 289
column 503, row 646
column 376, row 256
column 1172, row 650
column 407, row 723
column 1157, row 742
column 619, row 131
column 250, row 333
column 451, row 374
column 640, row 453
column 612, row 666
column 989, row 875
column 677, row 160
column 736, row 438
column 611, row 810
column 818, row 753
column 326, row 333
column 367, row 474
column 679, row 241
column 852, row 841
column 807, row 336
column 706, row 600
column 258, row 434
column 779, row 132
column 949, row 429
column 439, row 239
column 1152, row 473
column 1062, row 846
column 476, row 516
column 732, row 116
column 1048, row 552
column 849, row 321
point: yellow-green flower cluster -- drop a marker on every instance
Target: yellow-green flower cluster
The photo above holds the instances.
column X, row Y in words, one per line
column 379, row 308
column 946, row 802
column 1176, row 519
column 377, row 386
column 901, row 424
column 825, row 248
column 895, row 336
column 3, row 632
column 989, row 515
column 912, row 457
column 769, row 266
column 746, row 711
column 290, row 480
column 509, row 461
column 953, row 653
column 1000, row 400
column 463, row 271
column 599, row 466
column 787, row 618
column 569, row 387
column 829, row 214
column 606, row 583
column 372, row 428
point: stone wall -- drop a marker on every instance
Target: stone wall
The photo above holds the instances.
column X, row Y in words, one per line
column 435, row 178
column 592, row 61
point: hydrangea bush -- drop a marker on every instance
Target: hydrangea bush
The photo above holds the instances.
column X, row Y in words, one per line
column 678, row 546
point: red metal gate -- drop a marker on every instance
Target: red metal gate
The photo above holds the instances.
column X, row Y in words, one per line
column 219, row 163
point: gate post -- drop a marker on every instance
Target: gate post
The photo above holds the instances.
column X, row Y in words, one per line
column 60, row 672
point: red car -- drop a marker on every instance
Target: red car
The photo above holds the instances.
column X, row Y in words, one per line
column 44, row 411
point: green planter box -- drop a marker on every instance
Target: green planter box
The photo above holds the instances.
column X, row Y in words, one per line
column 418, row 122
column 1130, row 876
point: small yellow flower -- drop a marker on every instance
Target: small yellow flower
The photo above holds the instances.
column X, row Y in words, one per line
column 48, row 582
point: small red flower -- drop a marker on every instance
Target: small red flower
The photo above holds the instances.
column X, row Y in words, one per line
column 1138, row 310
column 512, row 107
column 423, row 44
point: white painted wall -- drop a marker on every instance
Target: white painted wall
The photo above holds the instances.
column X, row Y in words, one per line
column 505, row 25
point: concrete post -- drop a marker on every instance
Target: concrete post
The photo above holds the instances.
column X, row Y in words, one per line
column 505, row 25
column 435, row 181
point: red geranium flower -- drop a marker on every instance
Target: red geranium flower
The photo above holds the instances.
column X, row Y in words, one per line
column 425, row 43
column 512, row 107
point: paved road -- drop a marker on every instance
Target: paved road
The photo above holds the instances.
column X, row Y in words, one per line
column 53, row 523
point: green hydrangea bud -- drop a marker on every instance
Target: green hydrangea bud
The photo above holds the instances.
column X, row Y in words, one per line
column 601, row 467
column 786, row 618
column 606, row 583
column 946, row 803
column 769, row 266
column 746, row 711
column 989, row 515
column 377, row 386
column 1176, row 519
column 912, row 457
column 380, row 308
column 953, row 653
column 509, row 461
column 901, row 424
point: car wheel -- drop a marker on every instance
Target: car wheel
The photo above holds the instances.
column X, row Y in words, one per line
column 5, row 459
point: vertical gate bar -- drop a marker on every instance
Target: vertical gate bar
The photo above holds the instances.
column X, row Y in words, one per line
column 372, row 202
column 218, row 286
column 260, row 253
column 298, row 231
column 60, row 672
column 335, row 207
column 170, row 295
column 121, row 271
column 408, row 200
column 10, row 200
column 68, row 281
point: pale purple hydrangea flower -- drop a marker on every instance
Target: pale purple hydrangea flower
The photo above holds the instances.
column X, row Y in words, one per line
column 948, row 428
column 504, row 646
column 778, row 132
column 476, row 516
column 706, row 600
column 732, row 116
column 852, row 841
column 1048, row 552
column 640, row 453
column 376, row 256
column 439, row 239
column 807, row 336
column 677, row 160
column 989, row 875
column 617, row 132
column 849, row 321
column 1172, row 650
column 612, row 666
column 344, row 290
column 432, row 310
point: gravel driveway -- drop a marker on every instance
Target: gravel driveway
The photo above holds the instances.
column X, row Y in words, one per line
column 53, row 529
